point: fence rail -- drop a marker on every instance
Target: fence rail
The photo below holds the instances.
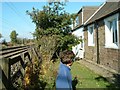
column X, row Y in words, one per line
column 8, row 52
column 13, row 61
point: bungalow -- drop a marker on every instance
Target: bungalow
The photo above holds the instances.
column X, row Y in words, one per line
column 82, row 16
column 102, row 36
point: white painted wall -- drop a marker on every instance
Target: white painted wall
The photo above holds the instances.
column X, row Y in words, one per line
column 78, row 49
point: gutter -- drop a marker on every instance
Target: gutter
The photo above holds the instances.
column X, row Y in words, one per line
column 77, row 28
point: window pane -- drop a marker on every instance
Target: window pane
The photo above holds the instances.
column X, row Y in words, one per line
column 116, row 39
column 115, row 32
column 91, row 30
column 113, row 36
column 77, row 21
column 91, row 35
column 111, row 25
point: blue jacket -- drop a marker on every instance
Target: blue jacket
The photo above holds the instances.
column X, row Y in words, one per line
column 64, row 78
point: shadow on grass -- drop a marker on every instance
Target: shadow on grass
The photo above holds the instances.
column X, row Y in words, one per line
column 101, row 78
column 74, row 83
column 115, row 84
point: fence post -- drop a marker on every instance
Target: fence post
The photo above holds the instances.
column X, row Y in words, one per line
column 22, row 62
column 5, row 73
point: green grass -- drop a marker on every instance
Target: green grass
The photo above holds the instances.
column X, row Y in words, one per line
column 87, row 78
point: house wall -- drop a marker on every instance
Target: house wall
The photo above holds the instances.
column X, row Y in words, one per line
column 80, row 19
column 108, row 57
column 119, row 45
column 90, row 51
column 79, row 16
column 78, row 49
column 84, row 14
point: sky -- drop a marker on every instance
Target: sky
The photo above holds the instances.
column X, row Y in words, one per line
column 13, row 15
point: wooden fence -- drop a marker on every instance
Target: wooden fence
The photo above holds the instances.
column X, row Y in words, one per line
column 12, row 64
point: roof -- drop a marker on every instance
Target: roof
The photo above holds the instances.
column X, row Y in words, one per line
column 90, row 7
column 90, row 10
column 106, row 9
column 87, row 8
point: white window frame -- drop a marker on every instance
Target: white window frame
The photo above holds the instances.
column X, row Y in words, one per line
column 91, row 40
column 109, row 31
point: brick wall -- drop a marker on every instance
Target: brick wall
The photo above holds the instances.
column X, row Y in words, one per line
column 108, row 57
column 80, row 19
column 90, row 51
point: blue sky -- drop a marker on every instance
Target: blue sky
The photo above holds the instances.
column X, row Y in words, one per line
column 13, row 16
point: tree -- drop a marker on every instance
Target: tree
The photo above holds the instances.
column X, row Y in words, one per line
column 19, row 40
column 53, row 31
column 53, row 15
column 4, row 42
column 13, row 37
column 0, row 35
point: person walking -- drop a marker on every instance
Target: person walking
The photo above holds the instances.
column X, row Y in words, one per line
column 64, row 78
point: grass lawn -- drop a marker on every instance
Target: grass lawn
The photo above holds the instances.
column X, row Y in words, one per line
column 87, row 78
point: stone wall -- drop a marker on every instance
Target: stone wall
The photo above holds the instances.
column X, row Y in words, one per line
column 80, row 19
column 108, row 57
column 90, row 51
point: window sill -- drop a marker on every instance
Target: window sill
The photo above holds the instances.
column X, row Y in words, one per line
column 112, row 47
column 91, row 45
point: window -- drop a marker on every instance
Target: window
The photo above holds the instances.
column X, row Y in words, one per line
column 91, row 35
column 77, row 21
column 111, row 32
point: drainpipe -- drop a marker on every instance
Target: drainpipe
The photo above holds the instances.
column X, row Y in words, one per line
column 97, row 42
column 119, row 43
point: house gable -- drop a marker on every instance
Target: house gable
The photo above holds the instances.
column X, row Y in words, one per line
column 84, row 13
